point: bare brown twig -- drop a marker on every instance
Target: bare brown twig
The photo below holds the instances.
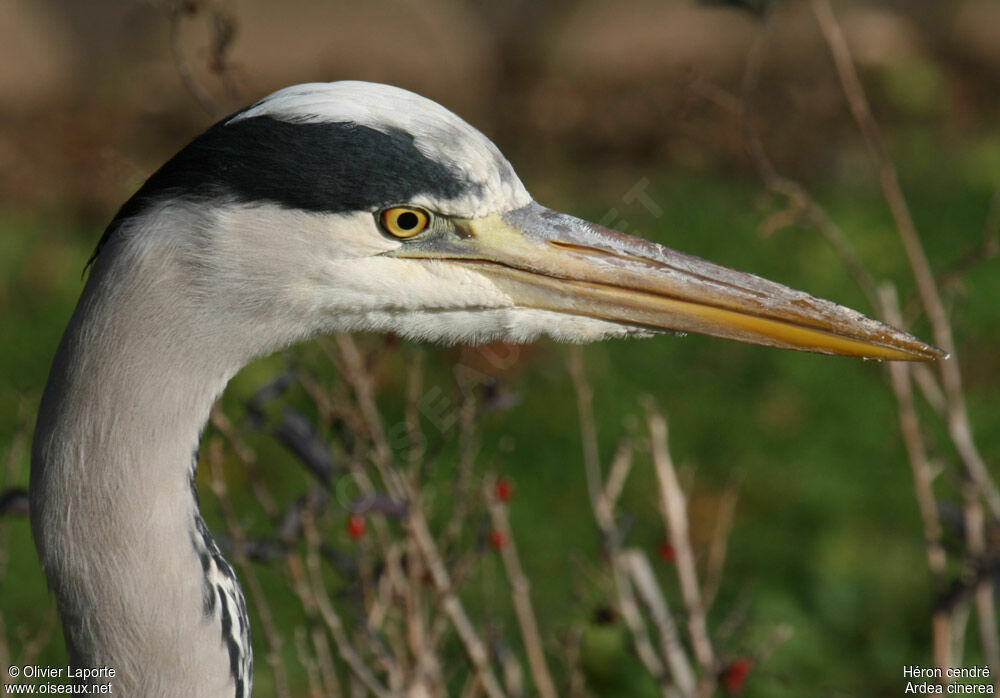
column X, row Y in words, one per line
column 923, row 487
column 603, row 508
column 521, row 594
column 649, row 591
column 360, row 379
column 331, row 618
column 674, row 508
column 958, row 419
column 983, row 599
column 718, row 546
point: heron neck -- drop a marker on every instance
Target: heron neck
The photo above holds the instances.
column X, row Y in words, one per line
column 136, row 576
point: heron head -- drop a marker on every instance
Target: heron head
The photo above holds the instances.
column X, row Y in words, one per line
column 357, row 206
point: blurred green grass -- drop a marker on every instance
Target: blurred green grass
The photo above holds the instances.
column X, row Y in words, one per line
column 826, row 537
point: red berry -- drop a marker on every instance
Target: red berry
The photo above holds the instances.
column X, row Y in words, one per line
column 666, row 552
column 355, row 526
column 504, row 490
column 735, row 675
column 497, row 539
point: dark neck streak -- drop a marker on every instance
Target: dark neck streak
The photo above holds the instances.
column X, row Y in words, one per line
column 223, row 598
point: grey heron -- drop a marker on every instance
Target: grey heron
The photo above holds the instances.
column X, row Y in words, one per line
column 322, row 208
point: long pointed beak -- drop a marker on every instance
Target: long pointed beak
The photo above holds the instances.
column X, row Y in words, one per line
column 548, row 260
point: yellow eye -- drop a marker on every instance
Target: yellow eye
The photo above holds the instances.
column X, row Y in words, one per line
column 404, row 221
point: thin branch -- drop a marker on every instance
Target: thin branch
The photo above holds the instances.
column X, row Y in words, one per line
column 472, row 688
column 576, row 680
column 603, row 508
column 427, row 666
column 520, row 594
column 513, row 674
column 588, row 431
column 986, row 249
column 323, row 660
column 929, row 386
column 467, row 449
column 959, row 619
column 985, row 605
column 417, row 442
column 923, row 488
column 381, row 596
column 308, row 663
column 360, row 379
column 718, row 546
column 913, row 440
column 248, row 459
column 330, row 617
column 474, row 648
column 778, row 636
column 958, row 420
column 621, row 466
column 629, row 608
column 674, row 508
column 649, row 591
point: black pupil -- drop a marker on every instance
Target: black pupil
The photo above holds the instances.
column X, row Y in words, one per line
column 407, row 220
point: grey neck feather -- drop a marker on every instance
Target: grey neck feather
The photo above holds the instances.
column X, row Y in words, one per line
column 140, row 585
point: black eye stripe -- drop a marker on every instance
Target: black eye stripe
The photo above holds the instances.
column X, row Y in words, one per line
column 320, row 167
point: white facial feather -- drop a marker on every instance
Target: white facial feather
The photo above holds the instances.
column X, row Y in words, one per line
column 277, row 275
